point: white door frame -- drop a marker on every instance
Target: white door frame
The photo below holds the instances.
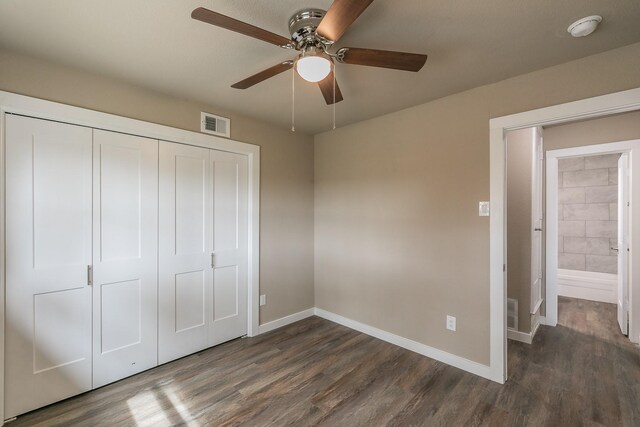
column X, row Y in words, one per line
column 537, row 220
column 38, row 108
column 633, row 148
column 599, row 106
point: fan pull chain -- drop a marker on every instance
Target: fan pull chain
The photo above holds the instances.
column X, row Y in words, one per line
column 334, row 96
column 293, row 99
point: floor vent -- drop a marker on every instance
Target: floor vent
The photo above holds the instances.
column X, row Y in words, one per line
column 215, row 125
column 512, row 313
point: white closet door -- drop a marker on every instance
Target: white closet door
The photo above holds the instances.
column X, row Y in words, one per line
column 125, row 255
column 185, row 273
column 48, row 297
column 230, row 189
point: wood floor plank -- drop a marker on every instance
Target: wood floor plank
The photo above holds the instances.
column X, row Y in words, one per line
column 314, row 372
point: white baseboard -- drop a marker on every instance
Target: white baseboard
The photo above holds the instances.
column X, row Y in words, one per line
column 515, row 335
column 525, row 337
column 588, row 285
column 434, row 353
column 536, row 321
column 440, row 355
column 287, row 320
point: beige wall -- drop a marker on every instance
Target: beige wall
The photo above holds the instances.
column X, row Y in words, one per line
column 286, row 196
column 621, row 127
column 519, row 223
column 398, row 240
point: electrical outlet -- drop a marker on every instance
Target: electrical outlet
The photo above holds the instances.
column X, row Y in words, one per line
column 451, row 323
column 263, row 299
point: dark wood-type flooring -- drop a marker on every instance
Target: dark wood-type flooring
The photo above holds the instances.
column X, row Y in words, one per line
column 314, row 372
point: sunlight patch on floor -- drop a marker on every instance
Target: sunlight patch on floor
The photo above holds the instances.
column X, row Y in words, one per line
column 180, row 407
column 147, row 411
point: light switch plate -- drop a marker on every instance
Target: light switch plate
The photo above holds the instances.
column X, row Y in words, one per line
column 263, row 299
column 483, row 209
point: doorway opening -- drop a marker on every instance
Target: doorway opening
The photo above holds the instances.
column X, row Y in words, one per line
column 584, row 110
column 588, row 235
column 588, row 206
column 592, row 210
column 590, row 217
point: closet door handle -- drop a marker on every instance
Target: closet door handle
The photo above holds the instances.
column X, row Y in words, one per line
column 89, row 275
column 213, row 263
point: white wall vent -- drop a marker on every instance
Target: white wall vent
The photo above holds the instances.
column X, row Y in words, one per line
column 512, row 313
column 215, row 125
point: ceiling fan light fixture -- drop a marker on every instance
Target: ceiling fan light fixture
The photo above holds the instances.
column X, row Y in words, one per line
column 313, row 32
column 313, row 65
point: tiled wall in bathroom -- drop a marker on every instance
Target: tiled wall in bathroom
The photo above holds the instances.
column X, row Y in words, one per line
column 587, row 213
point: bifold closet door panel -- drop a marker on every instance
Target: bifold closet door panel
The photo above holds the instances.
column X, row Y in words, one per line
column 230, row 244
column 125, row 255
column 185, row 273
column 48, row 251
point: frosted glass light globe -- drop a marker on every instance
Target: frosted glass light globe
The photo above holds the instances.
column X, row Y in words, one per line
column 313, row 68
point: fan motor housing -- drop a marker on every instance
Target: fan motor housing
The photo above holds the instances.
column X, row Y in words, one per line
column 303, row 25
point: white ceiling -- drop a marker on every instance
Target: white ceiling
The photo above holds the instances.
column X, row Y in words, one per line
column 155, row 44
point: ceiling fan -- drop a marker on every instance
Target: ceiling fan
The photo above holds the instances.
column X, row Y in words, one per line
column 313, row 33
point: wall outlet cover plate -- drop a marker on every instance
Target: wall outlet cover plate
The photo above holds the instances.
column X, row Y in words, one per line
column 451, row 323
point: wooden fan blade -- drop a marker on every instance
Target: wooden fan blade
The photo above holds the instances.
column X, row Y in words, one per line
column 263, row 75
column 339, row 17
column 384, row 58
column 326, row 86
column 219, row 20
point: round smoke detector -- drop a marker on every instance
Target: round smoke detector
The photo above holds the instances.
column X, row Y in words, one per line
column 585, row 26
